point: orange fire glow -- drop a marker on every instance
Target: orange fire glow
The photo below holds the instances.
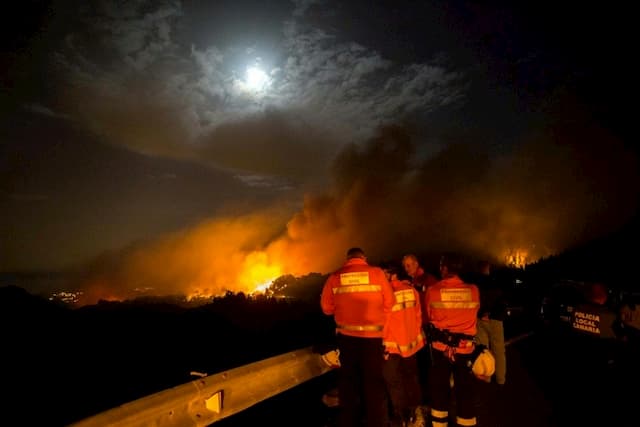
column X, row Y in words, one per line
column 258, row 272
column 99, row 290
column 516, row 258
column 495, row 213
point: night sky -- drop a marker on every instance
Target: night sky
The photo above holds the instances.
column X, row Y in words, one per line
column 199, row 146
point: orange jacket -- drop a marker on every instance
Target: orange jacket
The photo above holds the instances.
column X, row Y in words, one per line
column 403, row 332
column 421, row 282
column 453, row 305
column 359, row 297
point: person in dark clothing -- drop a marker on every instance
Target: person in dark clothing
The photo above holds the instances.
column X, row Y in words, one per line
column 595, row 326
column 491, row 318
column 594, row 346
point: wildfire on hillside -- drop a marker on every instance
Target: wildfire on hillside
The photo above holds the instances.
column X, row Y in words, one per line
column 513, row 211
column 517, row 258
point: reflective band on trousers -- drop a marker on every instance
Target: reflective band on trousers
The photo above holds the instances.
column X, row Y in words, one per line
column 466, row 421
column 440, row 304
column 439, row 418
column 360, row 327
column 403, row 305
column 342, row 289
column 405, row 348
column 439, row 414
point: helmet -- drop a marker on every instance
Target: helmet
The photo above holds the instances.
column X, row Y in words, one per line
column 332, row 358
column 484, row 364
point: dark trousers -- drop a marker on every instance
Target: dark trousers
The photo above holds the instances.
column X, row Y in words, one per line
column 401, row 376
column 464, row 387
column 361, row 385
column 423, row 357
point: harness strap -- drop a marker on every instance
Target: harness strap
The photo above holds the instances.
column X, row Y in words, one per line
column 451, row 339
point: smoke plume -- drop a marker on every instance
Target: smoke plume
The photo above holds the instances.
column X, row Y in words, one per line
column 558, row 188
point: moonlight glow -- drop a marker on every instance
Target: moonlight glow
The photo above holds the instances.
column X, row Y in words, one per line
column 256, row 79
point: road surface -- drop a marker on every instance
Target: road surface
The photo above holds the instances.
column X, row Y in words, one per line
column 545, row 387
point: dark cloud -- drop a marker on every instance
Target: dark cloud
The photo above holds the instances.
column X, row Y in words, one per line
column 129, row 75
column 272, row 143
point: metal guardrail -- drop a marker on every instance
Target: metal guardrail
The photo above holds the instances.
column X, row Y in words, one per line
column 517, row 338
column 206, row 400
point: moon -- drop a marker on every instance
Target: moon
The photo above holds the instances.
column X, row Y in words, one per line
column 256, row 79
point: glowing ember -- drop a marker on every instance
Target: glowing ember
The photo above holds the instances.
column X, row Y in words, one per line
column 263, row 288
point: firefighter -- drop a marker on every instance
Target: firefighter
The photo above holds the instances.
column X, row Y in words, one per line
column 403, row 337
column 420, row 280
column 452, row 308
column 360, row 299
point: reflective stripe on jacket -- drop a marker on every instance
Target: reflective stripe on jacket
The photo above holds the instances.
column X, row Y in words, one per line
column 452, row 306
column 403, row 332
column 359, row 297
